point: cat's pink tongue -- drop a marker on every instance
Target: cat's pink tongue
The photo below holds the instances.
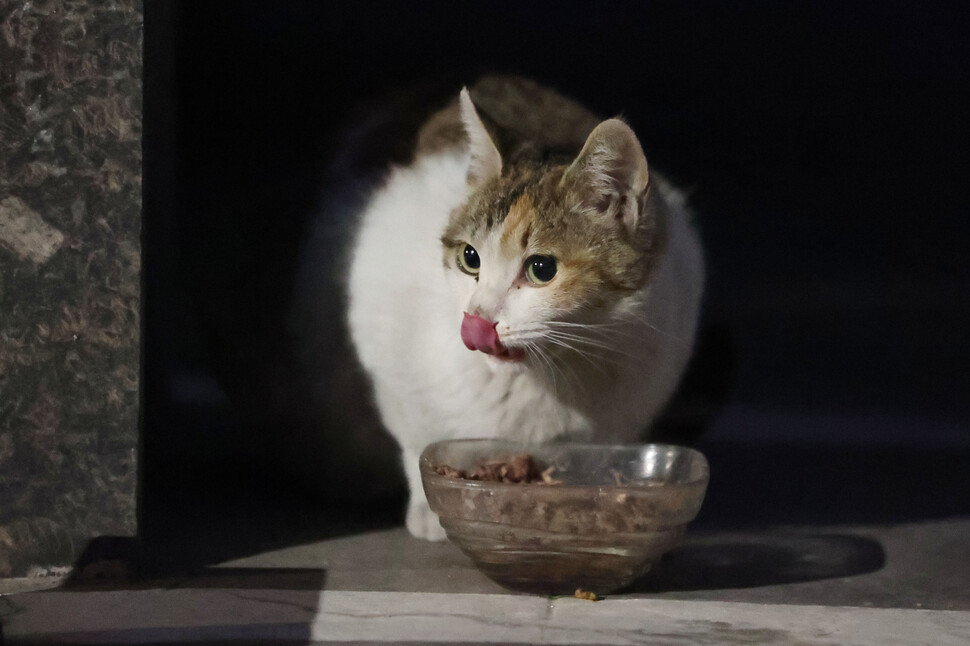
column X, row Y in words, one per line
column 480, row 334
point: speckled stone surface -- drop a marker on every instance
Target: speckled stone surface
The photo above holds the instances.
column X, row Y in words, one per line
column 70, row 223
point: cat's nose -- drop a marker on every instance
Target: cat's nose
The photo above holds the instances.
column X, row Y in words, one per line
column 479, row 334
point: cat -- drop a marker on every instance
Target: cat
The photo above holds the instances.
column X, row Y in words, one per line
column 525, row 276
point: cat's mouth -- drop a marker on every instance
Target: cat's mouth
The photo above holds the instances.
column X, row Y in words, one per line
column 480, row 334
column 511, row 355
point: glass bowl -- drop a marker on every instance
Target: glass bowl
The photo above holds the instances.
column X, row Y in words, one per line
column 608, row 516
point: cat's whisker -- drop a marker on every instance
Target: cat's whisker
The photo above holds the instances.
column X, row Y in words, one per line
column 594, row 359
column 602, row 340
column 546, row 364
column 606, row 331
column 619, row 324
column 619, row 327
column 592, row 343
column 569, row 344
column 597, row 361
column 548, row 367
column 568, row 370
column 563, row 368
column 597, row 349
column 658, row 330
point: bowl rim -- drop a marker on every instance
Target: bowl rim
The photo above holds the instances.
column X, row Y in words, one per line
column 429, row 475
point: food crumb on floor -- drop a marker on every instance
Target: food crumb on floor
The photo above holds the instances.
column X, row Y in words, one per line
column 586, row 594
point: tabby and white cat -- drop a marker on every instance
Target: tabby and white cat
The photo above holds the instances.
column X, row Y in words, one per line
column 524, row 277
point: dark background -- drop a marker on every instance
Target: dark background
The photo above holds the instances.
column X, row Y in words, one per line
column 825, row 149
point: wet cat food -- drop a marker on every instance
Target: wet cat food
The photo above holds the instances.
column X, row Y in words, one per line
column 521, row 468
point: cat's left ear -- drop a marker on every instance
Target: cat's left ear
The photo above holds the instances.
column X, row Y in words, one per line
column 486, row 162
column 609, row 177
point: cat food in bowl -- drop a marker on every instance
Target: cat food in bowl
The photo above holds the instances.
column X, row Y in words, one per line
column 584, row 516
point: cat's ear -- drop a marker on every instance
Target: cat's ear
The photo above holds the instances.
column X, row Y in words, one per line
column 609, row 177
column 486, row 162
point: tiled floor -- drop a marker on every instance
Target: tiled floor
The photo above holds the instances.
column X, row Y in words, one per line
column 171, row 616
column 904, row 584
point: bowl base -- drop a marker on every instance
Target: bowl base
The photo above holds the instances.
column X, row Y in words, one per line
column 556, row 573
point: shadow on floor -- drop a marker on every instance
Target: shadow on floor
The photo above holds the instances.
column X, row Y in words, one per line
column 754, row 561
column 199, row 522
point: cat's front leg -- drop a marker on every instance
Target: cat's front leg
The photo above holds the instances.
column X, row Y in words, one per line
column 420, row 520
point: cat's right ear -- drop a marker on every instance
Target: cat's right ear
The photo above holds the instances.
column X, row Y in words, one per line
column 609, row 177
column 486, row 162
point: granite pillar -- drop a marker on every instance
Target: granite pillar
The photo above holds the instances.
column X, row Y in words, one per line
column 70, row 254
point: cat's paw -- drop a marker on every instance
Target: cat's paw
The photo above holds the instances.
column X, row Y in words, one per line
column 423, row 523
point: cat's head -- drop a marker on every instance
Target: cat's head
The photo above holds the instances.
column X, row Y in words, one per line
column 542, row 252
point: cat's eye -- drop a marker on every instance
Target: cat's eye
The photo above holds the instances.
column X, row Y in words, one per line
column 468, row 260
column 540, row 269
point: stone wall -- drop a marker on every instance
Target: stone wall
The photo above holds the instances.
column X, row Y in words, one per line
column 70, row 225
